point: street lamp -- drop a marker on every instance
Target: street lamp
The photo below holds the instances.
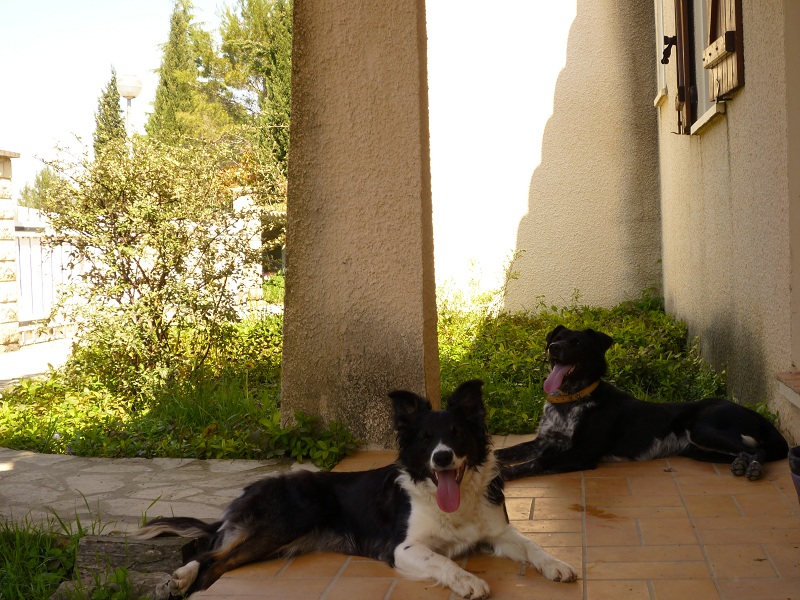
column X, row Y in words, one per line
column 128, row 87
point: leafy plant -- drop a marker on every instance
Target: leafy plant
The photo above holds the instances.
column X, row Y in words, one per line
column 34, row 559
column 652, row 357
column 230, row 409
column 160, row 245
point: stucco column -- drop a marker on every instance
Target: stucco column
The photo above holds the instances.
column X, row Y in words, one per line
column 9, row 325
column 360, row 308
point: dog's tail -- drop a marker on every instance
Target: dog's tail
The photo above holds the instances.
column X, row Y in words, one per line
column 186, row 527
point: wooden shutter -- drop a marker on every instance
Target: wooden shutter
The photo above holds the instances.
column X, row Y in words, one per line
column 724, row 56
column 683, row 58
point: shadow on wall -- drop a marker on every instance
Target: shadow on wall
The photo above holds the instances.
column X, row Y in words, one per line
column 593, row 221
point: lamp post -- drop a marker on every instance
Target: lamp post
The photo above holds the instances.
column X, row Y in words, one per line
column 128, row 87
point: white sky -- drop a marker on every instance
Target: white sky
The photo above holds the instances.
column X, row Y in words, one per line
column 492, row 70
column 56, row 61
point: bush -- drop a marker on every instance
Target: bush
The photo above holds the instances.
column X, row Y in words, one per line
column 229, row 408
column 652, row 357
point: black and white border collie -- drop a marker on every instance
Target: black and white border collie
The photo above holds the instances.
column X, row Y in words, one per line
column 442, row 498
column 587, row 420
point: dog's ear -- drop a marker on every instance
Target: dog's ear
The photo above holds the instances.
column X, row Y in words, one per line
column 602, row 340
column 468, row 399
column 553, row 334
column 407, row 407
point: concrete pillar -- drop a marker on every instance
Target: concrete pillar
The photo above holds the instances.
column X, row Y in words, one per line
column 360, row 307
column 9, row 325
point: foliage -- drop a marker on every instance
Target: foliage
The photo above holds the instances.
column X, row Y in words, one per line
column 34, row 558
column 652, row 357
column 230, row 409
column 35, row 196
column 256, row 63
column 182, row 108
column 274, row 289
column 160, row 246
column 38, row 555
column 109, row 124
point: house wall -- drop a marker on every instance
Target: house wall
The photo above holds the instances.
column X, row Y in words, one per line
column 593, row 219
column 726, row 228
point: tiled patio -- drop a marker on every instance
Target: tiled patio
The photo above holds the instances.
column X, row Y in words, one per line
column 664, row 529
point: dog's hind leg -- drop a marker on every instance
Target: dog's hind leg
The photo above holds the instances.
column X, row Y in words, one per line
column 512, row 544
column 743, row 452
column 417, row 561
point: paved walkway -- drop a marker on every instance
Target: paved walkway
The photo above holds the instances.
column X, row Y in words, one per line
column 32, row 360
column 663, row 529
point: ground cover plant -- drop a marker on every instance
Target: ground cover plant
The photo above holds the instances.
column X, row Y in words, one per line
column 230, row 408
column 652, row 357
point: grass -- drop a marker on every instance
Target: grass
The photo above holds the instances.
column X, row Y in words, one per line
column 233, row 410
column 652, row 357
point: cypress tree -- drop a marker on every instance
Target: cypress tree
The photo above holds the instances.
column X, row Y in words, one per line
column 177, row 77
column 109, row 124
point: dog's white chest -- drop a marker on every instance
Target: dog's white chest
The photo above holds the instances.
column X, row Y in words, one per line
column 555, row 421
column 452, row 534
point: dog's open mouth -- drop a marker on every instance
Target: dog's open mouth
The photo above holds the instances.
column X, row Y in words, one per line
column 557, row 373
column 448, row 492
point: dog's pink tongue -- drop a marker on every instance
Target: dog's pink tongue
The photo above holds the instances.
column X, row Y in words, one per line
column 448, row 494
column 553, row 381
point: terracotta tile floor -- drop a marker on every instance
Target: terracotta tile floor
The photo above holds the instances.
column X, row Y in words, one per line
column 664, row 529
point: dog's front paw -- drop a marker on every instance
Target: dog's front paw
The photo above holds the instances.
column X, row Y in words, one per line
column 557, row 570
column 469, row 586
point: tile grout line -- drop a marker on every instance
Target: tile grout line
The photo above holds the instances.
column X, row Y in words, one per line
column 690, row 517
column 285, row 566
column 335, row 578
column 792, row 500
column 770, row 560
column 391, row 589
column 584, row 544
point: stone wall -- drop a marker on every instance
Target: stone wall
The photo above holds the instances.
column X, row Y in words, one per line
column 9, row 328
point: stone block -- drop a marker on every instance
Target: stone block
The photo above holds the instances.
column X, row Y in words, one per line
column 99, row 553
column 9, row 292
column 9, row 314
column 8, row 271
column 8, row 251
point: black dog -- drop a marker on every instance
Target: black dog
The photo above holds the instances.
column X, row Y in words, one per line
column 443, row 497
column 587, row 420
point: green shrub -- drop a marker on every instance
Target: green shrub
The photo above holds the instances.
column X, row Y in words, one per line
column 651, row 358
column 228, row 408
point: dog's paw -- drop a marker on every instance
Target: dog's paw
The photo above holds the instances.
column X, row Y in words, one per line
column 739, row 466
column 469, row 586
column 556, row 570
column 184, row 577
column 755, row 470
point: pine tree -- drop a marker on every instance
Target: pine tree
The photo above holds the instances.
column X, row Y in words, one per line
column 36, row 195
column 184, row 107
column 257, row 61
column 177, row 75
column 108, row 118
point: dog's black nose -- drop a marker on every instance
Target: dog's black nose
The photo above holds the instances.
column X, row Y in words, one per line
column 443, row 458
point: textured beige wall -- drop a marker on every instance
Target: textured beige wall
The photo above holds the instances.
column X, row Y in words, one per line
column 726, row 228
column 593, row 211
column 360, row 314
